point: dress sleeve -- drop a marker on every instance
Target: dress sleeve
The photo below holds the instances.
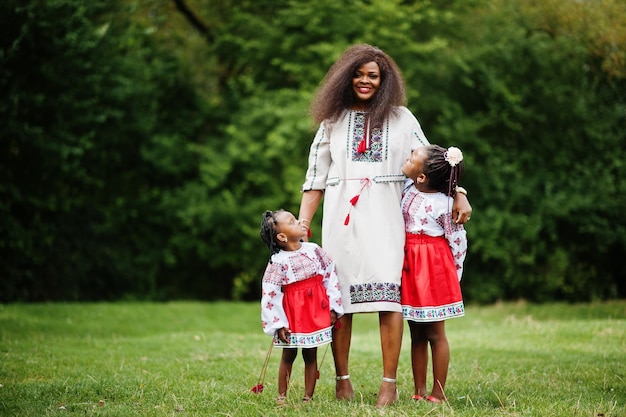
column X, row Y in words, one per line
column 319, row 161
column 418, row 138
column 330, row 281
column 273, row 315
column 457, row 239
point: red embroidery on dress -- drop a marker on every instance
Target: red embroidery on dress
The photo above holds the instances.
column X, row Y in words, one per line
column 276, row 273
column 302, row 266
column 409, row 209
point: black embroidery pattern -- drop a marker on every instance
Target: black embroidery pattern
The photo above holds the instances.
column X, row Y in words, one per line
column 374, row 292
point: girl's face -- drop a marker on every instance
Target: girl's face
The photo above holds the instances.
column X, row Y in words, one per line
column 365, row 83
column 414, row 165
column 289, row 228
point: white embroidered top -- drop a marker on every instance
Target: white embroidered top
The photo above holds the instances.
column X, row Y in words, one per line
column 430, row 214
column 288, row 267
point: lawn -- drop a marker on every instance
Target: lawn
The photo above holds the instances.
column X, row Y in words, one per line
column 202, row 359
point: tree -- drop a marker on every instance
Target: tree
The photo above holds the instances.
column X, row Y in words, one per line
column 88, row 150
column 540, row 115
column 140, row 141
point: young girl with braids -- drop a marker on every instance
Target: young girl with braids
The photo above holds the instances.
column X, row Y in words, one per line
column 300, row 300
column 435, row 249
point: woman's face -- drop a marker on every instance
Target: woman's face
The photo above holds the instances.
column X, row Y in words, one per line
column 365, row 83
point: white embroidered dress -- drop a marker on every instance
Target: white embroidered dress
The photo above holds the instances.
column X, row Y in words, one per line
column 302, row 266
column 369, row 249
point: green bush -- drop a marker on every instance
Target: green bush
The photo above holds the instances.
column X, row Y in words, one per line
column 138, row 151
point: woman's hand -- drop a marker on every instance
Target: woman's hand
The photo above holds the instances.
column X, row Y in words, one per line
column 308, row 205
column 461, row 209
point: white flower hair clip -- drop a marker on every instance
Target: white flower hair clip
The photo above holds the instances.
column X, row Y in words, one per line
column 453, row 155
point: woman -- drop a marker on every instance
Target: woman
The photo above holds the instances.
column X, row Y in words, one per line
column 355, row 162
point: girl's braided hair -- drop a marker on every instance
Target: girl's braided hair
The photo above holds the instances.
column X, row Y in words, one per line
column 440, row 174
column 269, row 232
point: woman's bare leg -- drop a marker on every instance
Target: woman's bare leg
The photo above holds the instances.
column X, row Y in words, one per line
column 391, row 328
column 342, row 336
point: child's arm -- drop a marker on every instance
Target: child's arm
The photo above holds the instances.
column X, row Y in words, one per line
column 273, row 315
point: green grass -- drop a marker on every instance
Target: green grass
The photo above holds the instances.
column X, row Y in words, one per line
column 201, row 359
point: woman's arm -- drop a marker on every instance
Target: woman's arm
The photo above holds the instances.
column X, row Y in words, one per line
column 461, row 209
column 308, row 205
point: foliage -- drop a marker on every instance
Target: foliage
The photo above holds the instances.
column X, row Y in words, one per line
column 197, row 359
column 90, row 144
column 541, row 120
column 141, row 140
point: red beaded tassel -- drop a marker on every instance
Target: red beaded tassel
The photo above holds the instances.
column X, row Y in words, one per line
column 366, row 182
column 258, row 388
column 364, row 145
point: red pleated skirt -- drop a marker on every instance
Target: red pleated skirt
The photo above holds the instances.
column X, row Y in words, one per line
column 430, row 285
column 308, row 312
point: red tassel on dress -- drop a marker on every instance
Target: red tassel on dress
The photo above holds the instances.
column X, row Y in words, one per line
column 362, row 146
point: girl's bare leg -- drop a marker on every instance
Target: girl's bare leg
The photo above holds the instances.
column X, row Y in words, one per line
column 284, row 370
column 342, row 336
column 419, row 356
column 310, row 371
column 441, row 358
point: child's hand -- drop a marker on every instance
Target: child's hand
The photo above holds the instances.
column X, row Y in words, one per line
column 284, row 334
column 333, row 317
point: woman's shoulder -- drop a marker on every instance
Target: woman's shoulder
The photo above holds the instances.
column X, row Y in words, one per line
column 340, row 116
column 342, row 119
column 404, row 115
column 404, row 111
